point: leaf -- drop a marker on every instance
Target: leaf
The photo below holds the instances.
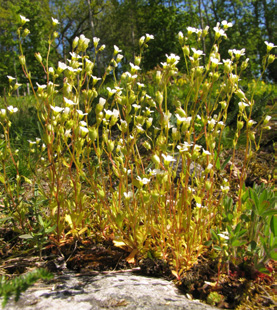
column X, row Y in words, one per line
column 217, row 164
column 237, row 243
column 208, row 243
column 273, row 225
column 120, row 244
column 214, row 235
column 131, row 258
column 69, row 220
column 225, row 162
column 218, row 248
column 273, row 254
column 26, row 236
column 2, row 179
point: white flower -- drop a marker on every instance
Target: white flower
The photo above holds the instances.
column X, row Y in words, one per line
column 172, row 59
column 51, row 70
column 128, row 195
column 69, row 102
column 198, row 205
column 225, row 24
column 219, row 32
column 183, row 148
column 139, row 127
column 191, row 30
column 267, row 119
column 31, row 142
column 83, row 123
column 215, row 61
column 197, row 53
column 3, row 112
column 136, row 106
column 12, row 109
column 168, row 158
column 95, row 79
column 95, row 41
column 111, row 91
column 206, row 152
column 41, row 86
column 56, row 109
column 67, row 133
column 225, row 188
column 109, row 113
column 140, row 84
column 115, row 113
column 116, row 50
column 242, row 105
column 62, row 65
column 10, row 78
column 24, row 19
column 134, row 67
column 83, row 130
column 224, row 235
column 81, row 113
column 102, row 101
column 209, row 167
column 143, row 181
column 251, row 123
column 149, row 37
column 119, row 57
column 237, row 53
column 74, row 55
column 66, row 110
column 269, row 46
column 55, row 21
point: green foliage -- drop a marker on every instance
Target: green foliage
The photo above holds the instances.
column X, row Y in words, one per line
column 250, row 233
column 20, row 284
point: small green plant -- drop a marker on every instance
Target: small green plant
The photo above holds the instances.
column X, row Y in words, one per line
column 20, row 284
column 250, row 234
column 107, row 157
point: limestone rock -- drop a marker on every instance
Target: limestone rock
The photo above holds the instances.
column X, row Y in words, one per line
column 105, row 291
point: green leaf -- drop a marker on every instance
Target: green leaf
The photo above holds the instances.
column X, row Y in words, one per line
column 218, row 248
column 208, row 243
column 225, row 162
column 26, row 236
column 273, row 225
column 217, row 164
column 237, row 242
column 273, row 254
column 214, row 235
column 2, row 179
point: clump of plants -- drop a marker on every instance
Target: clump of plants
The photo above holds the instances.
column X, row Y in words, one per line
column 123, row 162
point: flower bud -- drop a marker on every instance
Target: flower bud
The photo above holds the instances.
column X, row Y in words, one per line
column 137, row 60
column 240, row 125
column 25, row 33
column 156, row 159
column 271, row 58
column 110, row 146
column 75, row 42
column 141, row 40
column 55, row 34
column 38, row 57
column 267, row 119
column 185, row 49
column 252, row 136
column 22, row 60
column 159, row 97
